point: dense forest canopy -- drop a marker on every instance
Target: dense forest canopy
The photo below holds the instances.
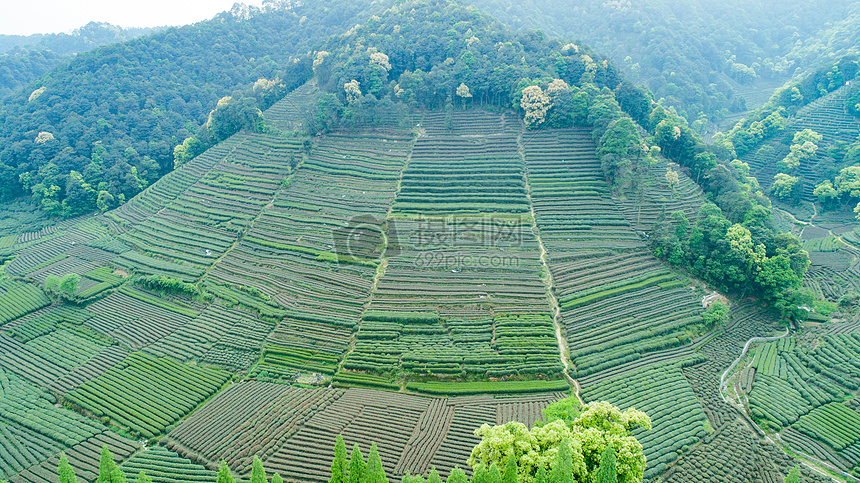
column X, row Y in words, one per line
column 24, row 58
column 702, row 58
column 108, row 121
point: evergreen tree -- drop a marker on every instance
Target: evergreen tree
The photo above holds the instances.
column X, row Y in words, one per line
column 562, row 470
column 493, row 475
column 540, row 477
column 224, row 475
column 117, row 476
column 106, row 466
column 258, row 474
column 276, row 478
column 67, row 474
column 607, row 471
column 481, row 474
column 510, row 473
column 375, row 473
column 793, row 475
column 457, row 476
column 142, row 478
column 356, row 466
column 434, row 476
column 407, row 478
column 339, row 468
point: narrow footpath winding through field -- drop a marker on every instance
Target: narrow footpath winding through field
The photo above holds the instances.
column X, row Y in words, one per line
column 743, row 353
column 556, row 310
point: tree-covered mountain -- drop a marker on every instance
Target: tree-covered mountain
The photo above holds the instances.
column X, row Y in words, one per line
column 109, row 119
column 24, row 58
column 704, row 59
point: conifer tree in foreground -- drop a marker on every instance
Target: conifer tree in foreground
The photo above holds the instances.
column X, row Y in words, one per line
column 258, row 474
column 510, row 473
column 457, row 476
column 494, row 475
column 142, row 478
column 339, row 466
column 224, row 475
column 66, row 473
column 433, row 477
column 607, row 472
column 356, row 466
column 562, row 470
column 375, row 473
column 108, row 471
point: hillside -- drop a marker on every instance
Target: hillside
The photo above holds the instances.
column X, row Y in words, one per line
column 711, row 63
column 441, row 223
column 24, row 58
column 275, row 291
column 109, row 120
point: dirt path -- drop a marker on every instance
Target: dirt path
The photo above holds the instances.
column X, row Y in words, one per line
column 743, row 353
column 553, row 301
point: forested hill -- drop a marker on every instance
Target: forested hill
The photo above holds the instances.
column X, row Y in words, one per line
column 24, row 58
column 108, row 120
column 703, row 58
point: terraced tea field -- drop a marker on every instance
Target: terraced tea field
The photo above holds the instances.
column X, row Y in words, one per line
column 301, row 425
column 418, row 277
column 826, row 116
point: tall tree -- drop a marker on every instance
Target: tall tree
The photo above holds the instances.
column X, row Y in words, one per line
column 258, row 474
column 434, row 477
column 510, row 473
column 607, row 472
column 339, row 467
column 143, row 478
column 66, row 473
column 117, row 475
column 356, row 466
column 793, row 475
column 457, row 476
column 375, row 473
column 494, row 475
column 562, row 470
column 276, row 478
column 224, row 475
column 106, row 466
column 540, row 477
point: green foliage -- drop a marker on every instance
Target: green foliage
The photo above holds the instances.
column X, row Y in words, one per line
column 373, row 472
column 65, row 471
column 785, row 187
column 607, row 472
column 562, row 468
column 106, row 466
column 142, row 478
column 165, row 284
column 457, row 476
column 717, row 315
column 741, row 258
column 258, row 474
column 357, row 466
column 276, row 478
column 69, row 283
column 339, row 468
column 510, row 473
column 575, row 447
column 793, row 476
column 224, row 474
column 566, row 410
